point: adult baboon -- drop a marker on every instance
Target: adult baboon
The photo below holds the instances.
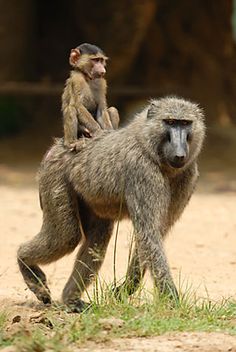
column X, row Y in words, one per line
column 150, row 167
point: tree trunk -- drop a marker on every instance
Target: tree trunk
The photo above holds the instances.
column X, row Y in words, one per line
column 190, row 51
column 17, row 21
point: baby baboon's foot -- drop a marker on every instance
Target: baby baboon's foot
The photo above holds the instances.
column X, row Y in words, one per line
column 79, row 145
column 77, row 306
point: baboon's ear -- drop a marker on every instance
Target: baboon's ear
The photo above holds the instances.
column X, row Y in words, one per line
column 74, row 56
column 151, row 111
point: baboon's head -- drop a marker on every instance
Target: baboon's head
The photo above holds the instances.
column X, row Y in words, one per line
column 176, row 129
column 89, row 59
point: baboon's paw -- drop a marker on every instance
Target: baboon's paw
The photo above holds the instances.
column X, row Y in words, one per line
column 78, row 306
column 42, row 293
column 124, row 290
column 120, row 291
column 169, row 292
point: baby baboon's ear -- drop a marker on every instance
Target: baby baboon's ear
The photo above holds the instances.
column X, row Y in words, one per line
column 74, row 56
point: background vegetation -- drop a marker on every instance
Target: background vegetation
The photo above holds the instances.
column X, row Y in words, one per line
column 156, row 47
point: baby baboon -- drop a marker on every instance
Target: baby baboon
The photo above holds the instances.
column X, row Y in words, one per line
column 150, row 166
column 84, row 103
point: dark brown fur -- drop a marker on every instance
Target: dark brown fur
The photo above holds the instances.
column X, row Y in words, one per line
column 82, row 192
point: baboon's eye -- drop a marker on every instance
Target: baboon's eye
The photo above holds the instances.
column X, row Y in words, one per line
column 170, row 122
column 186, row 122
column 96, row 59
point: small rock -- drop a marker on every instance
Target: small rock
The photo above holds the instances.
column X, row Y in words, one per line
column 41, row 319
column 14, row 329
column 34, row 318
column 109, row 323
column 16, row 319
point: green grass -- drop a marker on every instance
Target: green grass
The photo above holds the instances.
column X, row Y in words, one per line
column 141, row 315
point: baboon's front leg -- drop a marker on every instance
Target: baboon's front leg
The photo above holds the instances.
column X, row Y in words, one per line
column 88, row 261
column 153, row 255
column 148, row 207
column 133, row 277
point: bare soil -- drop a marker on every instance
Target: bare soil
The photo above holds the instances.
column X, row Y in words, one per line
column 182, row 342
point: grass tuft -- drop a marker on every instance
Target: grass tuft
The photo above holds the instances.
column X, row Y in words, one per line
column 144, row 314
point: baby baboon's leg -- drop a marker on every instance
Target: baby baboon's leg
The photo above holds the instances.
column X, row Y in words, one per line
column 133, row 277
column 53, row 241
column 89, row 259
column 114, row 117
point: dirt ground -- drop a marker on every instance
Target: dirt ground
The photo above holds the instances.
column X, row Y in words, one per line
column 201, row 250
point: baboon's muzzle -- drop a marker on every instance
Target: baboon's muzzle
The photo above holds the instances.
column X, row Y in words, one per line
column 178, row 146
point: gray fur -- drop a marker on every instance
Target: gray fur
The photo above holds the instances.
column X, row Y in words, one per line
column 81, row 195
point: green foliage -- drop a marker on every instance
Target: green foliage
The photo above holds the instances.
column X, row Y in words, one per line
column 13, row 117
column 3, row 320
column 234, row 19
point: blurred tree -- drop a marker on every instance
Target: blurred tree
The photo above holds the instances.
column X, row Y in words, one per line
column 120, row 27
column 167, row 47
column 234, row 19
column 13, row 117
column 17, row 20
column 190, row 50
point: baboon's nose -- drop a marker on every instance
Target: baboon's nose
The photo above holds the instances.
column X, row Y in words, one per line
column 179, row 158
column 178, row 161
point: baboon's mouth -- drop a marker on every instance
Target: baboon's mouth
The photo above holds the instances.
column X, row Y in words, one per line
column 97, row 75
column 176, row 164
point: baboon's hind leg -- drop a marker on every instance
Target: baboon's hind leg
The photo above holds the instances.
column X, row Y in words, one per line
column 35, row 279
column 53, row 241
column 89, row 258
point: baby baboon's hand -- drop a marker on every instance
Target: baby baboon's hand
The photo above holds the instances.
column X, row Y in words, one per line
column 87, row 133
